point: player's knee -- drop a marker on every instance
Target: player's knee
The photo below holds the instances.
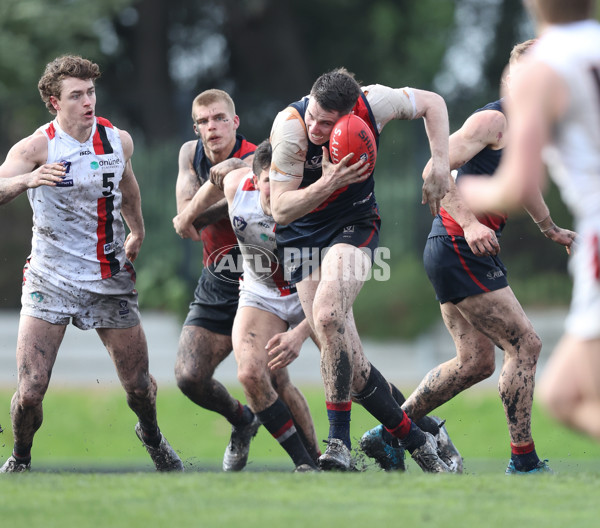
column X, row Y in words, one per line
column 249, row 377
column 30, row 397
column 328, row 322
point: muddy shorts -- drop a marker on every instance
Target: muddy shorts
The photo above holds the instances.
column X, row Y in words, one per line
column 107, row 303
column 287, row 308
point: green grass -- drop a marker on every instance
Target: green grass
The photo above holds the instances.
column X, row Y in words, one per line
column 92, row 471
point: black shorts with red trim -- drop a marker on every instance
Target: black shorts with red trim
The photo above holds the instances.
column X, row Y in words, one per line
column 299, row 263
column 456, row 273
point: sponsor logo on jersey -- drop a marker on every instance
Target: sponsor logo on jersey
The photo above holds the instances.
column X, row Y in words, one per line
column 85, row 153
column 110, row 162
column 349, row 229
column 94, row 165
column 109, row 248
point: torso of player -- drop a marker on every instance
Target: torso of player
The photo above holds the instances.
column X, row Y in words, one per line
column 219, row 235
column 294, row 154
column 255, row 232
column 573, row 51
column 78, row 232
column 484, row 163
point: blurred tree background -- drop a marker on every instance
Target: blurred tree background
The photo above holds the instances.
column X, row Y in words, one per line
column 156, row 56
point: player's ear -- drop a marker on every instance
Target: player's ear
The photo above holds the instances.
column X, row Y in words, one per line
column 236, row 122
column 196, row 131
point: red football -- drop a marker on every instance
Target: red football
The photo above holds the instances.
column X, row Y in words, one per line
column 352, row 134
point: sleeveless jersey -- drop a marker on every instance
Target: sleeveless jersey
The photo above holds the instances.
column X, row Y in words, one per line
column 78, row 232
column 573, row 51
column 218, row 239
column 255, row 232
column 484, row 163
column 345, row 205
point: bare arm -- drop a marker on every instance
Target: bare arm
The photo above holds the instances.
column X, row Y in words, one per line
column 432, row 108
column 131, row 208
column 538, row 210
column 187, row 181
column 481, row 130
column 25, row 168
column 539, row 98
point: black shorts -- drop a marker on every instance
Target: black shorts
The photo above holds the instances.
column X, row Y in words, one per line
column 299, row 263
column 215, row 304
column 456, row 273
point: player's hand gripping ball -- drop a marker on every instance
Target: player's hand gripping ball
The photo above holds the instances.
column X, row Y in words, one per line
column 352, row 134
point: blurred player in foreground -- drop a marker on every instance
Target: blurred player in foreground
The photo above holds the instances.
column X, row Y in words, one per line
column 555, row 120
column 79, row 180
column 478, row 306
column 268, row 306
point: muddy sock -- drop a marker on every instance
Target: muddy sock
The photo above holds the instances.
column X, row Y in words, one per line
column 425, row 424
column 524, row 457
column 243, row 415
column 409, row 434
column 150, row 435
column 339, row 421
column 277, row 419
column 22, row 453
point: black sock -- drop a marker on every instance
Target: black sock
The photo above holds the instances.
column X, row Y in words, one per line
column 151, row 435
column 22, row 453
column 524, row 457
column 277, row 419
column 377, row 398
column 425, row 424
column 397, row 394
column 415, row 438
column 243, row 416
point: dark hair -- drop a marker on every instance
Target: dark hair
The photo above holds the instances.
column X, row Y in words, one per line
column 336, row 91
column 262, row 157
column 50, row 84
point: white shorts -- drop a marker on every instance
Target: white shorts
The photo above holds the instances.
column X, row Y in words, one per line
column 583, row 320
column 111, row 304
column 287, row 308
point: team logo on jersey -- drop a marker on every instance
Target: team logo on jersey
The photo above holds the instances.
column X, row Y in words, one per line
column 239, row 223
column 260, row 259
column 124, row 310
column 67, row 181
column 314, row 163
column 109, row 248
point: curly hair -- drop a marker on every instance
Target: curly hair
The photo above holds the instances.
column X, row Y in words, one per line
column 50, row 84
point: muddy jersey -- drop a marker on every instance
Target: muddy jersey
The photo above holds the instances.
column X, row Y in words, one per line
column 483, row 164
column 218, row 239
column 573, row 51
column 295, row 154
column 255, row 232
column 78, row 232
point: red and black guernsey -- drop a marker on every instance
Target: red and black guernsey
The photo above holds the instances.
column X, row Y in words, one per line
column 343, row 207
column 217, row 236
column 484, row 163
column 109, row 265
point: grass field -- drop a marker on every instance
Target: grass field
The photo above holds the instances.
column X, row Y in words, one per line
column 89, row 469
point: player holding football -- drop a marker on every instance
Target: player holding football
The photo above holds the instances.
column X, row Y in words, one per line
column 478, row 307
column 555, row 121
column 319, row 205
column 268, row 306
column 79, row 180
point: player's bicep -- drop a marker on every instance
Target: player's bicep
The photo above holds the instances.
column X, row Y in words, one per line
column 21, row 158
